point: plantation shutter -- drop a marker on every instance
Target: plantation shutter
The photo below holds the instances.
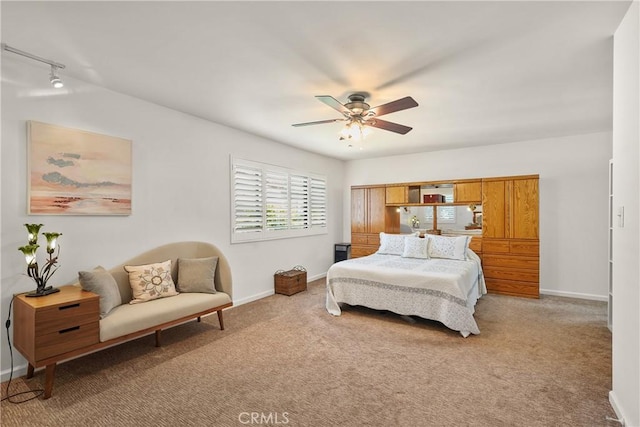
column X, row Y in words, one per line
column 447, row 213
column 276, row 200
column 271, row 202
column 318, row 197
column 247, row 201
column 299, row 201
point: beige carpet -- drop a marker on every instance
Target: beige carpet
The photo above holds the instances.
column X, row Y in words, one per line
column 286, row 361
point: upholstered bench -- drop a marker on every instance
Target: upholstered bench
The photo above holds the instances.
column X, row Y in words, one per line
column 104, row 309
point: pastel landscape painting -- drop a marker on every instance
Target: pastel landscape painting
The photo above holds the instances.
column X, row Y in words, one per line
column 74, row 172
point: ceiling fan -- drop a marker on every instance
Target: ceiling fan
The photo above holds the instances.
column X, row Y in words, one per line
column 357, row 115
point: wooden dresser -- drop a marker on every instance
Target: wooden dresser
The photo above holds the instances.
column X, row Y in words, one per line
column 510, row 241
column 369, row 217
column 50, row 328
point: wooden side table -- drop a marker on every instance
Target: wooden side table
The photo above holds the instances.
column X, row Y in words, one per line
column 52, row 328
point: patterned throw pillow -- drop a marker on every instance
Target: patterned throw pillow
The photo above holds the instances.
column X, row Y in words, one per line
column 391, row 244
column 450, row 247
column 149, row 282
column 415, row 247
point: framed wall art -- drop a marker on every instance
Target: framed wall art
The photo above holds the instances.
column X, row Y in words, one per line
column 74, row 172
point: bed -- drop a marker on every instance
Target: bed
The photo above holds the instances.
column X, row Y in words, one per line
column 437, row 278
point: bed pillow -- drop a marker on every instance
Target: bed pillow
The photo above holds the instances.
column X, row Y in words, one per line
column 197, row 274
column 415, row 247
column 391, row 244
column 449, row 247
column 101, row 282
column 151, row 281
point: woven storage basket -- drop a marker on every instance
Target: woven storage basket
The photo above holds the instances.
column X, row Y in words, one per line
column 292, row 281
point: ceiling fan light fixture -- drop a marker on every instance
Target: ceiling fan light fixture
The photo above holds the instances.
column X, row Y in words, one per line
column 354, row 130
column 360, row 117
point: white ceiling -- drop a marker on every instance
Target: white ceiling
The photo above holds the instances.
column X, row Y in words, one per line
column 482, row 72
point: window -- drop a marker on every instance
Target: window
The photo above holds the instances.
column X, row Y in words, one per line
column 446, row 214
column 270, row 202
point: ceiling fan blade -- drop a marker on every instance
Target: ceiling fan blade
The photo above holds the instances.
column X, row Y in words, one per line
column 334, row 103
column 318, row 122
column 393, row 106
column 390, row 126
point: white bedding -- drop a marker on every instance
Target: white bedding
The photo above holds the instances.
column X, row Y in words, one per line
column 438, row 289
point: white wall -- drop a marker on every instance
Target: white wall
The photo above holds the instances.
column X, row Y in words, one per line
column 573, row 198
column 625, row 394
column 180, row 187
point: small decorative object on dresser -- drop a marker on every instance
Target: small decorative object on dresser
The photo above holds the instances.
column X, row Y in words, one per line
column 292, row 281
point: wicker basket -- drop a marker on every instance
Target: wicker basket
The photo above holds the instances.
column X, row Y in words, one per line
column 291, row 282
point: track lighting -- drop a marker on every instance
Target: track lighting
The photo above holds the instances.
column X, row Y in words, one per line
column 55, row 80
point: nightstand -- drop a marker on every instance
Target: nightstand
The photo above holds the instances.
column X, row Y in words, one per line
column 52, row 328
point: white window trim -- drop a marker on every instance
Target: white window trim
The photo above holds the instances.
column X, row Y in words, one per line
column 315, row 224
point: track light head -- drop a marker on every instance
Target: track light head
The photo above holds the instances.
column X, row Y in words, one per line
column 55, row 66
column 55, row 80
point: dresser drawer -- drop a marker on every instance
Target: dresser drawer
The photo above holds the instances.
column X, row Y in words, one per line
column 512, row 287
column 524, row 247
column 511, row 274
column 495, row 246
column 62, row 316
column 358, row 251
column 358, row 239
column 510, row 261
column 511, row 246
column 373, row 239
column 67, row 339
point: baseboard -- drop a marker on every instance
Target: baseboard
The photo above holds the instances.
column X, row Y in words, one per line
column 316, row 277
column 270, row 292
column 574, row 295
column 18, row 371
column 254, row 297
column 616, row 408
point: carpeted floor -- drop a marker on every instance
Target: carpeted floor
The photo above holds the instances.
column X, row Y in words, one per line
column 286, row 361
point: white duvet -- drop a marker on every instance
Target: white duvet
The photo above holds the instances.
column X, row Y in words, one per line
column 438, row 289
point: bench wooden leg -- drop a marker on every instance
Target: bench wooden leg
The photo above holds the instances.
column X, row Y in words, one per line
column 50, row 372
column 198, row 319
column 220, row 320
column 30, row 371
column 158, row 336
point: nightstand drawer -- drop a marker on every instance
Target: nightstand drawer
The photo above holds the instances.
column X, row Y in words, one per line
column 67, row 339
column 62, row 316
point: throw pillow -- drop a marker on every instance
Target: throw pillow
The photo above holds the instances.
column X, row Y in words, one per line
column 151, row 281
column 101, row 282
column 449, row 247
column 391, row 244
column 415, row 247
column 197, row 274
